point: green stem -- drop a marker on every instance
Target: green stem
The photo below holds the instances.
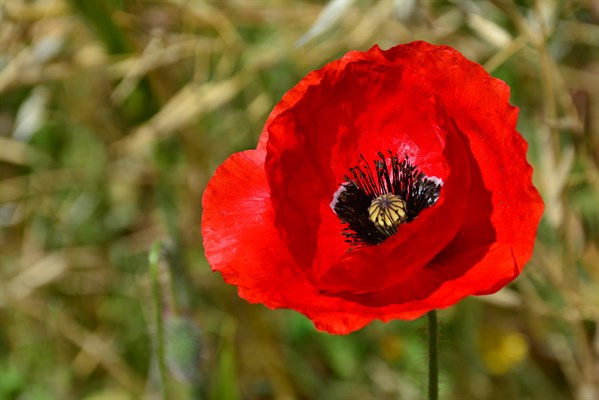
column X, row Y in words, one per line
column 159, row 323
column 433, row 356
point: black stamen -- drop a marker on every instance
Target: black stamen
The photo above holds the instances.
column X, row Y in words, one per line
column 363, row 185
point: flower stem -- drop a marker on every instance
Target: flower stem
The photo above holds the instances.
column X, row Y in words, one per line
column 433, row 356
column 159, row 323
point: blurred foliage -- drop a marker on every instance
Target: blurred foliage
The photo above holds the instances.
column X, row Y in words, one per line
column 115, row 113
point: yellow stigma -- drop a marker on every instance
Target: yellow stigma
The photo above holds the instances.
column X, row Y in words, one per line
column 387, row 212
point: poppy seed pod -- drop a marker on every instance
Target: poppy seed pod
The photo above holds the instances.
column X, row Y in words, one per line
column 384, row 185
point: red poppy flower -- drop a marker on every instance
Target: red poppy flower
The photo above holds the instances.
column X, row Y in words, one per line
column 384, row 185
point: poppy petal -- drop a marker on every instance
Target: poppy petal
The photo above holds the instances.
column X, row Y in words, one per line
column 240, row 240
column 305, row 167
column 241, row 243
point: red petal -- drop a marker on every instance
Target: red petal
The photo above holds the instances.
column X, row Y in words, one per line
column 480, row 106
column 237, row 226
column 374, row 268
column 504, row 208
column 313, row 146
column 241, row 243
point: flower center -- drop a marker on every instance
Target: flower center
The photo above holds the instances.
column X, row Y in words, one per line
column 374, row 202
column 386, row 212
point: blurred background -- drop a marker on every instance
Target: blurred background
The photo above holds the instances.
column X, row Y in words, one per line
column 115, row 113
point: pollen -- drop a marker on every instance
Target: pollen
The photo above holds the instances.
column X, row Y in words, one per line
column 387, row 212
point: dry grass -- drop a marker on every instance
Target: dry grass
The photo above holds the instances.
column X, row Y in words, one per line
column 115, row 113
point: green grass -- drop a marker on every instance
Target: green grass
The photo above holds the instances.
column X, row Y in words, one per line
column 131, row 105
